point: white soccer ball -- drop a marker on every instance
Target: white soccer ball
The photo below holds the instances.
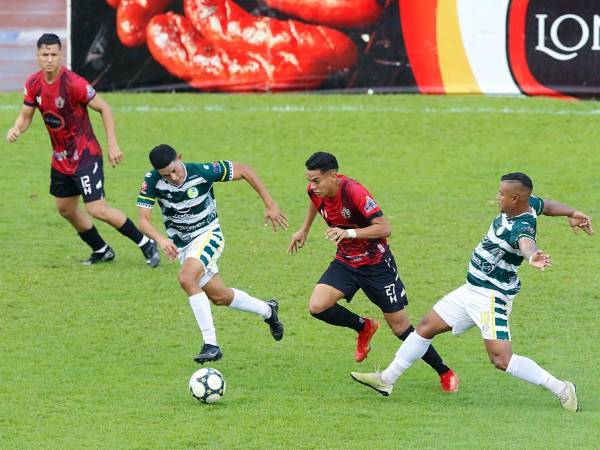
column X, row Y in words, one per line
column 207, row 385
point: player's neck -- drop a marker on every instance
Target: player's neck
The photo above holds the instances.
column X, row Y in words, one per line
column 518, row 210
column 51, row 77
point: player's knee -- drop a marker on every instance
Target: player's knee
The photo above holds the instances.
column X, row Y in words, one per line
column 500, row 362
column 221, row 298
column 315, row 309
column 98, row 212
column 65, row 212
column 187, row 281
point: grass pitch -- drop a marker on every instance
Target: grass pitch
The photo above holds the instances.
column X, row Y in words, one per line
column 99, row 357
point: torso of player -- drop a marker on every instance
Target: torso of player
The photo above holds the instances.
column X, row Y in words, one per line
column 352, row 207
column 190, row 209
column 63, row 105
column 495, row 261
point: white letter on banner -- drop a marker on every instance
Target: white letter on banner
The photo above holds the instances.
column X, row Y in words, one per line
column 596, row 42
column 541, row 45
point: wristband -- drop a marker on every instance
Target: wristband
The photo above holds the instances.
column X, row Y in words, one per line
column 531, row 258
column 351, row 233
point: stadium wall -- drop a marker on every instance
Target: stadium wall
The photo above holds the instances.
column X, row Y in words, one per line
column 532, row 47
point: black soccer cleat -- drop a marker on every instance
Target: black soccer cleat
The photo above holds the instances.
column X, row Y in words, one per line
column 96, row 258
column 274, row 323
column 208, row 353
column 151, row 253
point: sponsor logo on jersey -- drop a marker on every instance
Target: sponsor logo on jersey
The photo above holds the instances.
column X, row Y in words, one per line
column 59, row 102
column 345, row 213
column 90, row 92
column 192, row 192
column 370, row 204
column 53, row 121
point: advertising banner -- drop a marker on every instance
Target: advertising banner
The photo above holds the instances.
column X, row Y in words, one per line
column 535, row 47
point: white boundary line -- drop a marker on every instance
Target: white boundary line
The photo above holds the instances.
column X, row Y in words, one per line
column 216, row 108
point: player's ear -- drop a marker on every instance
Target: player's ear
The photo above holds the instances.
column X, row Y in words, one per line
column 179, row 156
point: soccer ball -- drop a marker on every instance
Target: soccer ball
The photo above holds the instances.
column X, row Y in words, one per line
column 207, row 385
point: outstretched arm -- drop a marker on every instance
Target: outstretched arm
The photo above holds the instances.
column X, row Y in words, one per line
column 272, row 212
column 379, row 228
column 576, row 219
column 536, row 257
column 146, row 227
column 299, row 237
column 115, row 156
column 21, row 124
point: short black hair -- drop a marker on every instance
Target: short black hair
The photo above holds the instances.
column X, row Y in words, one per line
column 49, row 39
column 519, row 177
column 322, row 161
column 162, row 155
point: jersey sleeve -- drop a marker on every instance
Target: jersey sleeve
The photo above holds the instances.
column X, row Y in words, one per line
column 216, row 171
column 147, row 195
column 537, row 204
column 364, row 202
column 523, row 229
column 29, row 92
column 81, row 90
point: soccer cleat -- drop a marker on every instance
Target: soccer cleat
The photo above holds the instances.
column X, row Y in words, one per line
column 275, row 324
column 364, row 338
column 208, row 353
column 568, row 397
column 449, row 381
column 96, row 258
column 151, row 253
column 374, row 381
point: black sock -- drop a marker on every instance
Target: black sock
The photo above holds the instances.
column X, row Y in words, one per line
column 431, row 357
column 341, row 317
column 92, row 238
column 130, row 230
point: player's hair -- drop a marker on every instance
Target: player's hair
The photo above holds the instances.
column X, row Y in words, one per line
column 322, row 161
column 162, row 155
column 519, row 177
column 49, row 39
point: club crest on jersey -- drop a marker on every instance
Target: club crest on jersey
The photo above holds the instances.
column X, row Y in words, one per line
column 345, row 213
column 192, row 192
column 370, row 204
column 59, row 102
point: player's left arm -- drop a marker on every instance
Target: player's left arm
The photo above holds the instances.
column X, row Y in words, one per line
column 577, row 219
column 534, row 255
column 98, row 104
column 379, row 228
column 272, row 212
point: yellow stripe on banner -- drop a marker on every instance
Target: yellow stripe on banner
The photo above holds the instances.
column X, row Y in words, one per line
column 454, row 64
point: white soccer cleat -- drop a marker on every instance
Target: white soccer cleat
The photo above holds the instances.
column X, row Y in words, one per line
column 374, row 381
column 568, row 397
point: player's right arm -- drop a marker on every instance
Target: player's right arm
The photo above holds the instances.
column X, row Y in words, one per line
column 21, row 124
column 577, row 219
column 145, row 225
column 299, row 237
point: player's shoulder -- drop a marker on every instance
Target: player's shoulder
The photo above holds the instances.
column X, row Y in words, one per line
column 350, row 184
column 152, row 176
column 34, row 80
column 73, row 76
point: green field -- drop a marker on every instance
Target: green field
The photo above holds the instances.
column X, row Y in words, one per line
column 100, row 357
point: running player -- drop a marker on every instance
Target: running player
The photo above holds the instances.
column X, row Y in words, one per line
column 363, row 261
column 185, row 194
column 62, row 98
column 486, row 299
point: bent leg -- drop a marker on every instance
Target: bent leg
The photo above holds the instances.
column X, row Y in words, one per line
column 323, row 306
column 220, row 294
column 68, row 207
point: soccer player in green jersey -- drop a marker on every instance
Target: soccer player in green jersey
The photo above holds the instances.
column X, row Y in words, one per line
column 486, row 299
column 185, row 194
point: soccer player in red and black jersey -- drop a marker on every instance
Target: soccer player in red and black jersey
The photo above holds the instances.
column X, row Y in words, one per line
column 363, row 260
column 62, row 97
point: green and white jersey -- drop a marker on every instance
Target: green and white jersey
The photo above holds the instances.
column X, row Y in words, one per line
column 188, row 210
column 495, row 260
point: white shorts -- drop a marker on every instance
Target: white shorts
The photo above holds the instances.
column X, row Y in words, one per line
column 470, row 306
column 206, row 248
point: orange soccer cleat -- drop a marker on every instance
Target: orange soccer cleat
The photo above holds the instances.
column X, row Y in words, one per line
column 364, row 338
column 449, row 381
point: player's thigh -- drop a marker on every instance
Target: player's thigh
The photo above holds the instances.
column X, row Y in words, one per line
column 452, row 310
column 336, row 283
column 89, row 179
column 217, row 291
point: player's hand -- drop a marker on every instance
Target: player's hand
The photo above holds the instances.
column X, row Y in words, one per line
column 540, row 260
column 274, row 215
column 336, row 235
column 169, row 249
column 298, row 241
column 115, row 156
column 13, row 134
column 580, row 220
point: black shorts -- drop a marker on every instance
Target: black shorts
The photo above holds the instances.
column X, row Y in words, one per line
column 87, row 181
column 381, row 282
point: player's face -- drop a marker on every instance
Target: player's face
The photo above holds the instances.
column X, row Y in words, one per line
column 49, row 57
column 506, row 197
column 322, row 184
column 174, row 173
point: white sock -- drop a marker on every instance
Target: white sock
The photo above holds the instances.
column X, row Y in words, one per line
column 411, row 350
column 527, row 369
column 201, row 307
column 244, row 302
column 143, row 242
